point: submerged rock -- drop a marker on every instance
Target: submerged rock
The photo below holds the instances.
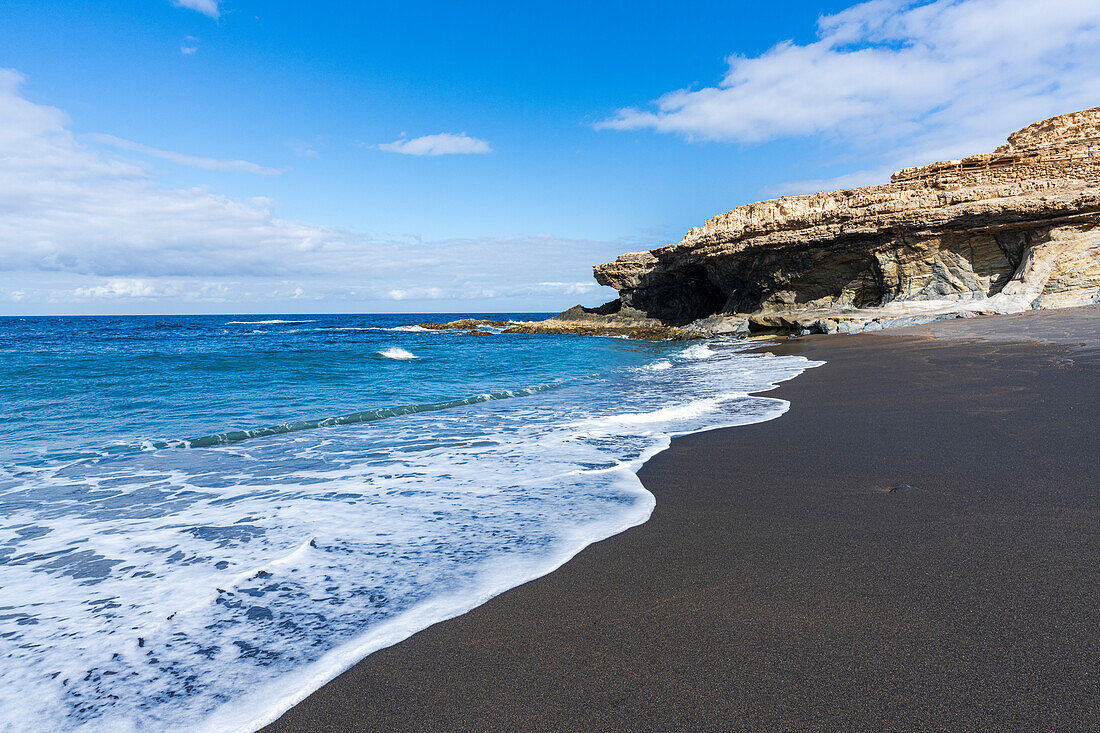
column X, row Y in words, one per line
column 999, row 232
column 900, row 488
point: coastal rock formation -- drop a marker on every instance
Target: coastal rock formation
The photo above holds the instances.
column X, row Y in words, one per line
column 463, row 324
column 610, row 319
column 998, row 232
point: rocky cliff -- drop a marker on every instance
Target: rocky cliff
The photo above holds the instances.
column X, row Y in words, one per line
column 998, row 232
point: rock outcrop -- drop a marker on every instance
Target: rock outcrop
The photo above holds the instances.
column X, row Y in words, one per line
column 998, row 232
column 610, row 319
column 463, row 324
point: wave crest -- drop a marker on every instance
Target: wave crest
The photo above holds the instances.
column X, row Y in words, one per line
column 396, row 352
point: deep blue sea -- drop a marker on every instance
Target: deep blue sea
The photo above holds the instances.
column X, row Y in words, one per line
column 204, row 518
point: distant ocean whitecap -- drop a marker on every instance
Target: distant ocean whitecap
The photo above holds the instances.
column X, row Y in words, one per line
column 396, row 352
column 251, row 323
column 330, row 507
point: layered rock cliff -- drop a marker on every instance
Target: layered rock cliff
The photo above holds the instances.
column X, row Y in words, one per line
column 998, row 232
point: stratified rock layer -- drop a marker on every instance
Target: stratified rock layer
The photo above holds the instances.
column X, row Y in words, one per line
column 999, row 232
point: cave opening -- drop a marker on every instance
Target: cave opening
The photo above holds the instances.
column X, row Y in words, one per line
column 690, row 296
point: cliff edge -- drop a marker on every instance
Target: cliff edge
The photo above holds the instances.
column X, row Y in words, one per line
column 1000, row 232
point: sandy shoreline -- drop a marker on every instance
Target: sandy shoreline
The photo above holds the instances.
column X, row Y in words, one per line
column 776, row 586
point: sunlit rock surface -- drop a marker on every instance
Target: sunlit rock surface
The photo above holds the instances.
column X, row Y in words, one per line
column 997, row 232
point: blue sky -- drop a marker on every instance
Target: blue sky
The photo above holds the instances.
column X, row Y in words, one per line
column 246, row 156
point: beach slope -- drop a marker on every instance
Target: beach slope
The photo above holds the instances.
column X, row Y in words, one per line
column 781, row 585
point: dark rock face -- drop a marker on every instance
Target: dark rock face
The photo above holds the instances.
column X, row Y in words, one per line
column 678, row 296
column 610, row 319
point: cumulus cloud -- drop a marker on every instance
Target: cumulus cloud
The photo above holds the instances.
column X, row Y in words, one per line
column 206, row 7
column 959, row 72
column 79, row 225
column 136, row 288
column 193, row 161
column 64, row 207
column 122, row 287
column 478, row 292
column 445, row 143
column 418, row 293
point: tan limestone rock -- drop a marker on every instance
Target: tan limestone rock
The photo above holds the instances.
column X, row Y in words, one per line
column 997, row 232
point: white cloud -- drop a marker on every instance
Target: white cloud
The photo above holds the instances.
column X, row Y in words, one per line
column 64, row 207
column 417, row 293
column 568, row 288
column 84, row 230
column 206, row 7
column 477, row 292
column 121, row 287
column 193, row 161
column 303, row 148
column 137, row 288
column 444, row 143
column 944, row 77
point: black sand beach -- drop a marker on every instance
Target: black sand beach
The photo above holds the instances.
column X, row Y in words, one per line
column 777, row 586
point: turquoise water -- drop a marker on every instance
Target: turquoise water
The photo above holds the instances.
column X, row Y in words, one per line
column 203, row 518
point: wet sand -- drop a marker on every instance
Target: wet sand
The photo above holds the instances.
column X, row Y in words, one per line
column 777, row 586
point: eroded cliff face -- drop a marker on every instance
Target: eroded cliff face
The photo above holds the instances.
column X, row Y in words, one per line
column 999, row 232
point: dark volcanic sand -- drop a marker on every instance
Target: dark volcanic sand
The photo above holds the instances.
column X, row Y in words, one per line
column 776, row 586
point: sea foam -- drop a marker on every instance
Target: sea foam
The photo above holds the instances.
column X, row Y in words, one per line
column 697, row 351
column 396, row 352
column 211, row 588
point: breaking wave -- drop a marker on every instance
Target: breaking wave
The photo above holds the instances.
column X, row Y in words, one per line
column 210, row 589
column 396, row 352
column 264, row 323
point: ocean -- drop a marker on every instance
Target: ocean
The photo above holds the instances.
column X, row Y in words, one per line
column 204, row 518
